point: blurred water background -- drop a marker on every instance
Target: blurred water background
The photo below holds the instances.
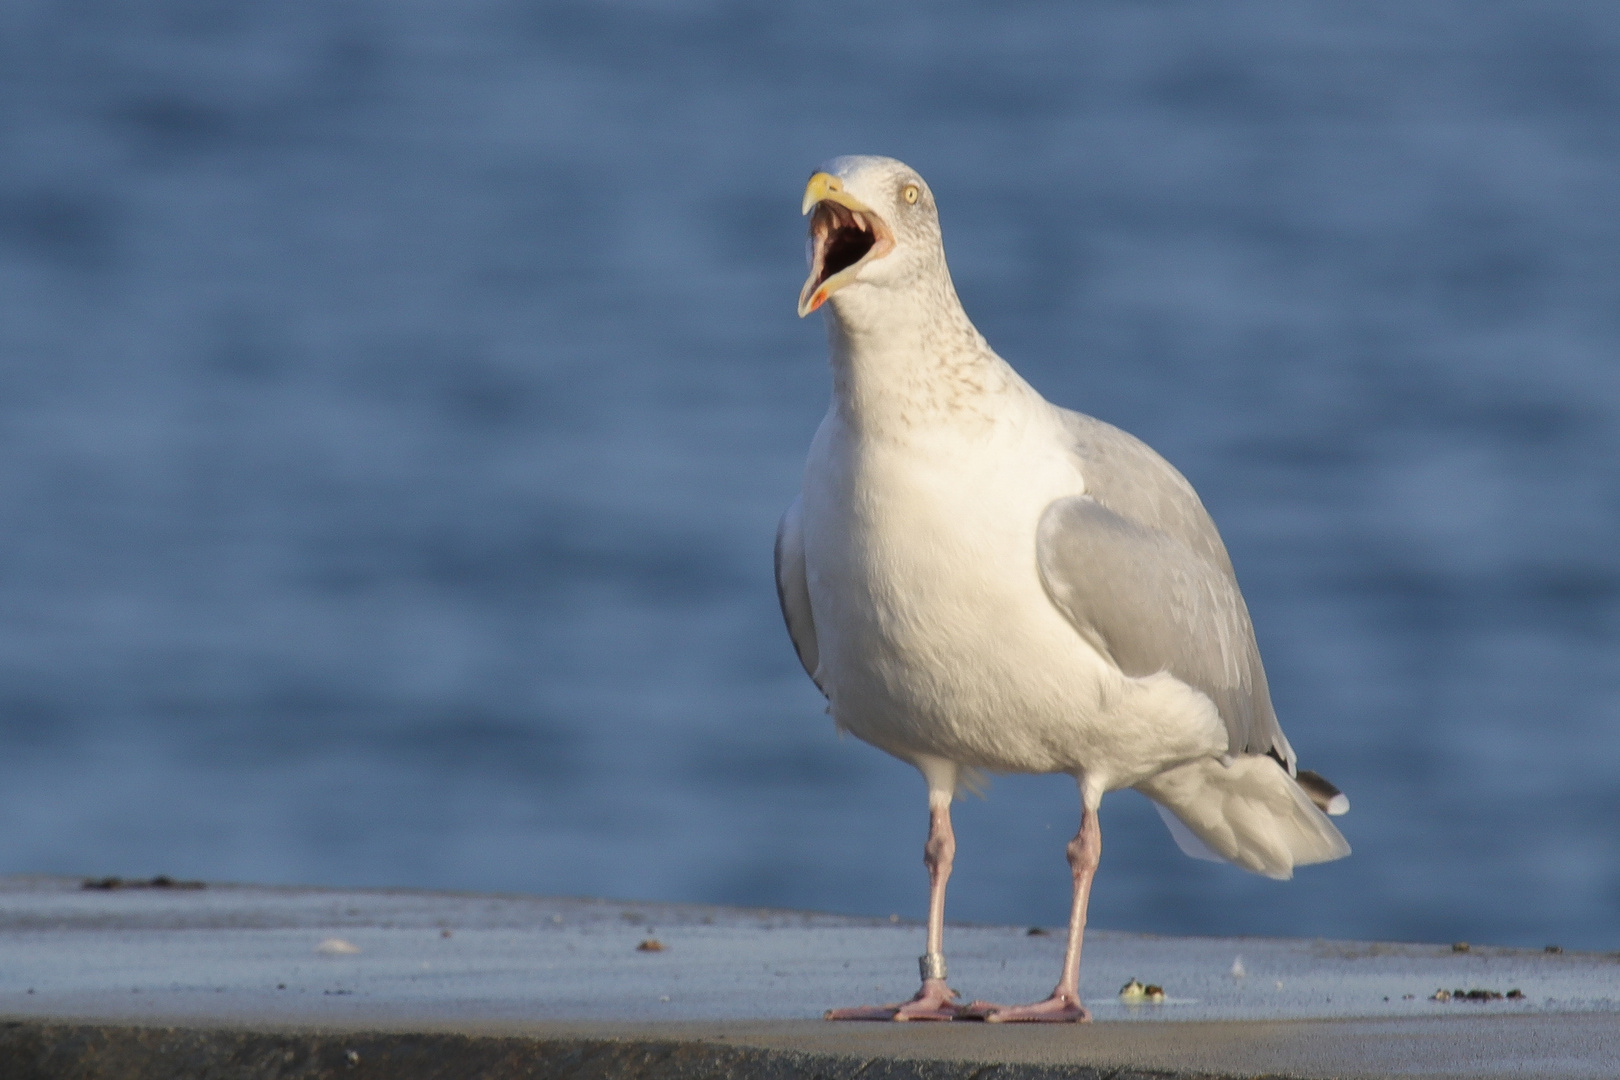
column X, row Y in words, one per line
column 397, row 400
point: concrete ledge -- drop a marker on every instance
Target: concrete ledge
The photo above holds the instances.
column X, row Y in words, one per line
column 32, row 1051
column 48, row 1052
column 243, row 981
column 1460, row 1049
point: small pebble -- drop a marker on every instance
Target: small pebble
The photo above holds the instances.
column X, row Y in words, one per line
column 650, row 945
column 354, row 1058
column 445, row 933
column 333, row 946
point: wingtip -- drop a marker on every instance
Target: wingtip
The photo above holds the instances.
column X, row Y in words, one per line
column 1323, row 792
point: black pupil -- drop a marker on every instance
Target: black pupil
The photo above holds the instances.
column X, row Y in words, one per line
column 844, row 249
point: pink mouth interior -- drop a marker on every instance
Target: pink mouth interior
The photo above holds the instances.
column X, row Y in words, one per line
column 840, row 238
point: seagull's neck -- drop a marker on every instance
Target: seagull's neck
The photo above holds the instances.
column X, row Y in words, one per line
column 906, row 360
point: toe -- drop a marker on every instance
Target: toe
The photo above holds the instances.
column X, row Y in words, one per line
column 861, row 1012
column 1054, row 1010
column 933, row 1012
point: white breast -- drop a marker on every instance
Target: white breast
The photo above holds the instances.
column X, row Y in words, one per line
column 935, row 633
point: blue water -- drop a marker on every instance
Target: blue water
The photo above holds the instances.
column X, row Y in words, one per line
column 397, row 401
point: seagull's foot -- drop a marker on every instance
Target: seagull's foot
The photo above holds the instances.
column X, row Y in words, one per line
column 1061, row 1008
column 935, row 1001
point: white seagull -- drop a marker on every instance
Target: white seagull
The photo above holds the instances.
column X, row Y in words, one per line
column 979, row 580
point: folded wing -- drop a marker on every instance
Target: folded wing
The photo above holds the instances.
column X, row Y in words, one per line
column 793, row 592
column 1151, row 603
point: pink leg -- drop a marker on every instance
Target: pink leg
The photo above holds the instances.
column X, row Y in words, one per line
column 935, row 1001
column 1085, row 850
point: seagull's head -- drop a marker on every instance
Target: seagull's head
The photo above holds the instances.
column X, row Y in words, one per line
column 872, row 222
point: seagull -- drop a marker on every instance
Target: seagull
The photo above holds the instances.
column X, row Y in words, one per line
column 982, row 582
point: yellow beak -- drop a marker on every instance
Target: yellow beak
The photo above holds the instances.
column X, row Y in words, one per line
column 837, row 210
column 825, row 187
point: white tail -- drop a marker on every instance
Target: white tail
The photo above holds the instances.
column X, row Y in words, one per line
column 1249, row 812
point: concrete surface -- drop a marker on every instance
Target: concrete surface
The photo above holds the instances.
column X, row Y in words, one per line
column 249, row 975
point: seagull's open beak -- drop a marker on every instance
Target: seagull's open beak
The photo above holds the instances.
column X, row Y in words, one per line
column 844, row 235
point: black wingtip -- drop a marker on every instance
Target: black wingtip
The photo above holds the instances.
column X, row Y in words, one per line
column 1323, row 793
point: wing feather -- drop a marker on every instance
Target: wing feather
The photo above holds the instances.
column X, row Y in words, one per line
column 1138, row 568
column 793, row 592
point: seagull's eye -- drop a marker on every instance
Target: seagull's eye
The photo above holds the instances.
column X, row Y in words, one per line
column 910, row 193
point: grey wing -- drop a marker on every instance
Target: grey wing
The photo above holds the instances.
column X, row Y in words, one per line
column 1151, row 602
column 1129, row 477
column 793, row 591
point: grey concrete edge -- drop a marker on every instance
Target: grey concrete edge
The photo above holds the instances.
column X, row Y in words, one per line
column 35, row 1049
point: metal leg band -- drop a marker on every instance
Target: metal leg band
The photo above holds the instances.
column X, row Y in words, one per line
column 932, row 965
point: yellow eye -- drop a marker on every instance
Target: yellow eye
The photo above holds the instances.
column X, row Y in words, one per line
column 911, row 193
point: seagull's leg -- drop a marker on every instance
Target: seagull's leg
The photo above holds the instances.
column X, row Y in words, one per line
column 935, row 1000
column 1084, row 851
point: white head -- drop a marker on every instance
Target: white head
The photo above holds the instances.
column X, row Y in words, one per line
column 872, row 225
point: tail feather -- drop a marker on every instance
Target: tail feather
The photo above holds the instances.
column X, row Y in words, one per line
column 1249, row 812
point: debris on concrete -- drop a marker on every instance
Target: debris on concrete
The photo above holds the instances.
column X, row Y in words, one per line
column 1475, row 995
column 1135, row 991
column 162, row 881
